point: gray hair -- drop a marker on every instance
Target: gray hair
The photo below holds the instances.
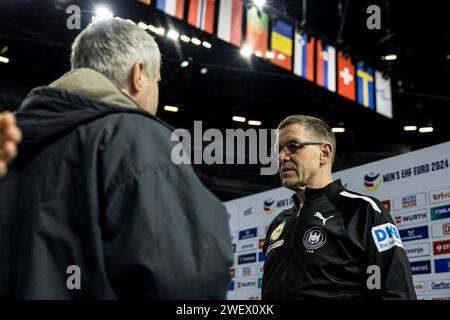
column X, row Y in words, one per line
column 315, row 126
column 112, row 46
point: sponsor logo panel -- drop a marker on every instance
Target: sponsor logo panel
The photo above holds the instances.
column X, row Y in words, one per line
column 414, row 233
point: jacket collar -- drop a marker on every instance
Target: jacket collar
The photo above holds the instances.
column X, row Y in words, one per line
column 92, row 84
column 329, row 191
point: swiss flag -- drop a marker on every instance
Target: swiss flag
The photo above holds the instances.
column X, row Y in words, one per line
column 346, row 77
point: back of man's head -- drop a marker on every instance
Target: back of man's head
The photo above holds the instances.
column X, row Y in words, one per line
column 112, row 46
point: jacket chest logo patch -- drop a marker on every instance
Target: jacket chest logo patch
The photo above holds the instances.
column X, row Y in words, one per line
column 277, row 232
column 320, row 216
column 314, row 238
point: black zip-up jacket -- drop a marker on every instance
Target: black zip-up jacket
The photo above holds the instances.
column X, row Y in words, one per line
column 323, row 250
column 94, row 186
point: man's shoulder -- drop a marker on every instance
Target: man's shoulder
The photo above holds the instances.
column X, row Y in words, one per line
column 359, row 200
column 133, row 127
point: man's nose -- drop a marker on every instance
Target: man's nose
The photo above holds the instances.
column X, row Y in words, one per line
column 283, row 156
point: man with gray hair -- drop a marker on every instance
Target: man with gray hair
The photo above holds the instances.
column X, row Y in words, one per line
column 333, row 243
column 93, row 207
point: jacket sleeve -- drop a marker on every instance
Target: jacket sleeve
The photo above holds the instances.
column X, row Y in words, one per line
column 384, row 249
column 166, row 236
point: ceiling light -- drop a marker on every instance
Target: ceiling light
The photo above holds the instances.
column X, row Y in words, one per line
column 338, row 130
column 4, row 59
column 238, row 119
column 410, row 128
column 389, row 57
column 171, row 108
column 426, row 129
column 185, row 38
column 259, row 3
column 270, row 55
column 142, row 26
column 246, row 51
column 206, row 44
column 184, row 64
column 258, row 53
column 103, row 13
column 172, row 34
column 196, row 41
column 254, row 122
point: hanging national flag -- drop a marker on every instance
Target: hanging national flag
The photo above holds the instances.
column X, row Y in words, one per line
column 174, row 8
column 383, row 95
column 326, row 66
column 304, row 56
column 281, row 44
column 229, row 28
column 257, row 31
column 346, row 77
column 201, row 14
column 147, row 2
column 365, row 86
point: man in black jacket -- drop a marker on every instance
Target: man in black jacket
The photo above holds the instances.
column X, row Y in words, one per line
column 93, row 207
column 333, row 243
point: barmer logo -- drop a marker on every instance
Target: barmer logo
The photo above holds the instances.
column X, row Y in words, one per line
column 372, row 181
column 414, row 233
column 441, row 212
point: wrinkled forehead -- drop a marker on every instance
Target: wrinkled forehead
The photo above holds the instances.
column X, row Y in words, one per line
column 293, row 131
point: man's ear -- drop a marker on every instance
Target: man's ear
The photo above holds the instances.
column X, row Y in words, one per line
column 326, row 152
column 136, row 77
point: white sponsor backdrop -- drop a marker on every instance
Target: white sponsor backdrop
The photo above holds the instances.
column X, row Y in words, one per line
column 414, row 187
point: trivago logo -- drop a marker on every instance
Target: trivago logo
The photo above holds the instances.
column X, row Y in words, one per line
column 372, row 181
column 269, row 206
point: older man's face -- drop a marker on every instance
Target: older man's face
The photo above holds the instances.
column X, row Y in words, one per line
column 298, row 169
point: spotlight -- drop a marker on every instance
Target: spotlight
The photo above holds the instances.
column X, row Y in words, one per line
column 260, row 3
column 246, row 51
column 172, row 34
column 103, row 13
column 184, row 64
column 204, row 70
